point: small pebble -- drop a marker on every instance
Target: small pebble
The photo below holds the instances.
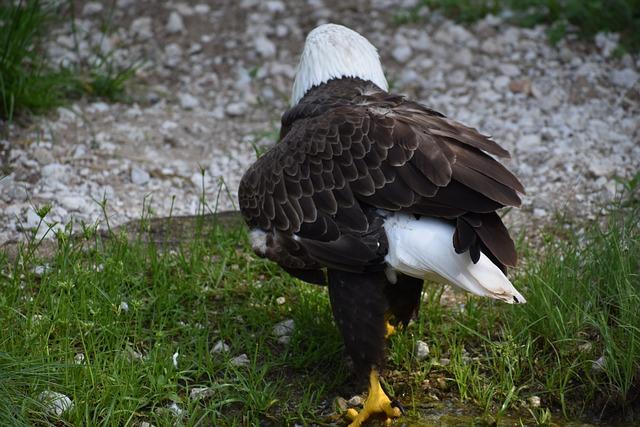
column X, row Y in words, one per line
column 421, row 350
column 174, row 23
column 355, row 401
column 598, row 365
column 188, row 101
column 242, row 360
column 340, row 404
column 201, row 393
column 174, row 359
column 55, row 403
column 402, row 53
column 534, row 401
column 283, row 328
column 139, row 176
column 220, row 347
column 175, row 409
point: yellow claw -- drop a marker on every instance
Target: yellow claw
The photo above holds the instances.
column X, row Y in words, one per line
column 377, row 403
column 390, row 329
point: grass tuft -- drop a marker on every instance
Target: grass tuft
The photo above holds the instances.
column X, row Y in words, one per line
column 588, row 17
column 28, row 83
column 26, row 80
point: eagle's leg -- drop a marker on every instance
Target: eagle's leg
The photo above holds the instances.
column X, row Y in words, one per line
column 404, row 299
column 359, row 305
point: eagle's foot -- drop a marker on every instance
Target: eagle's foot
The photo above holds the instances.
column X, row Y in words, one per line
column 377, row 403
column 390, row 329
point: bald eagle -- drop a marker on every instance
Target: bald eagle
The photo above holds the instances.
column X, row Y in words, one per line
column 371, row 193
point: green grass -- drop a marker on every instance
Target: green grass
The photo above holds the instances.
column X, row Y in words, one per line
column 28, row 83
column 583, row 291
column 588, row 17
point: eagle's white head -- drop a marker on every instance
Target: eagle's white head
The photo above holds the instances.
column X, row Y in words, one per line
column 333, row 51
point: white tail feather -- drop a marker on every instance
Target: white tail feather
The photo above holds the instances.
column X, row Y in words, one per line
column 423, row 248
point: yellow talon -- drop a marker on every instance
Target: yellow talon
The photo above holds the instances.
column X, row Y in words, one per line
column 390, row 329
column 377, row 403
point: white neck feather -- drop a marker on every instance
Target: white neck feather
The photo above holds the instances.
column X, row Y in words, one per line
column 333, row 51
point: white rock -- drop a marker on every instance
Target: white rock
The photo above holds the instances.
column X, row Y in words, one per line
column 201, row 393
column 274, row 6
column 43, row 155
column 41, row 270
column 55, row 172
column 199, row 181
column 220, row 347
column 55, row 403
column 598, row 365
column 284, row 340
column 79, row 151
column 460, row 34
column 139, row 176
column 355, row 401
column 134, row 355
column 529, row 141
column 91, row 8
column 462, row 57
column 282, row 30
column 174, row 23
column 174, row 359
column 202, row 9
column 491, row 46
column 173, row 54
column 421, row 350
column 509, row 70
column 265, row 47
column 534, row 401
column 169, row 125
column 141, row 28
column 539, row 212
column 602, row 168
column 236, row 109
column 73, row 203
column 175, row 409
column 607, row 42
column 501, row 83
column 33, row 219
column 625, row 78
column 241, row 360
column 402, row 53
column 285, row 327
column 188, row 101
column 443, row 36
column 457, row 77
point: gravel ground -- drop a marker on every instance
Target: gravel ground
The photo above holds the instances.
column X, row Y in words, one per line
column 216, row 78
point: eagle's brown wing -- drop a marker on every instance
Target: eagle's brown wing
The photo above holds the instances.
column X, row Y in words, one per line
column 324, row 181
